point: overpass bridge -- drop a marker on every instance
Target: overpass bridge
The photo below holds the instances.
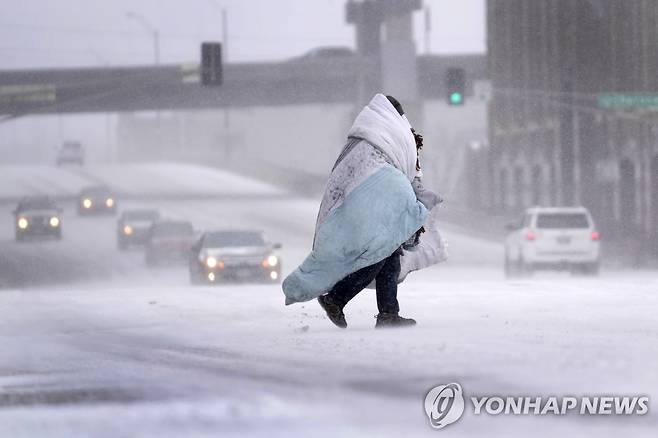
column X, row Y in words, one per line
column 177, row 87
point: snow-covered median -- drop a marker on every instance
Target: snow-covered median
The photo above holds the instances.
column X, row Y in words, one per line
column 174, row 180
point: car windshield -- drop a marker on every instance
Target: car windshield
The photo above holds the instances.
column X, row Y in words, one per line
column 96, row 191
column 141, row 215
column 562, row 220
column 37, row 204
column 173, row 229
column 233, row 239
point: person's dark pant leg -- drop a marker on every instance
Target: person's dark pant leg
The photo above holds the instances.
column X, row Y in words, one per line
column 350, row 286
column 387, row 285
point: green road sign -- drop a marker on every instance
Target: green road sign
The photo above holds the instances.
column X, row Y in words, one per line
column 618, row 100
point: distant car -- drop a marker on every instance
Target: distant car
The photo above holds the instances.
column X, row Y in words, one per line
column 327, row 53
column 168, row 242
column 133, row 227
column 37, row 216
column 220, row 256
column 557, row 238
column 71, row 153
column 96, row 200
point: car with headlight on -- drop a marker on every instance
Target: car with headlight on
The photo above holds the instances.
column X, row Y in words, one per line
column 168, row 241
column 553, row 238
column 96, row 200
column 234, row 256
column 133, row 227
column 37, row 216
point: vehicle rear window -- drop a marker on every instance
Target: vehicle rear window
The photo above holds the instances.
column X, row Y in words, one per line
column 562, row 220
column 232, row 239
column 173, row 229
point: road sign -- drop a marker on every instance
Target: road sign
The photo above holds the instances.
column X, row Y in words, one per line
column 627, row 100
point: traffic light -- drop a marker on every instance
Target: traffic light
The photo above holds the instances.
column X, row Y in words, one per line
column 456, row 85
column 211, row 64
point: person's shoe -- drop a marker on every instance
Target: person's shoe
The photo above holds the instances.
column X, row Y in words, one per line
column 334, row 310
column 393, row 320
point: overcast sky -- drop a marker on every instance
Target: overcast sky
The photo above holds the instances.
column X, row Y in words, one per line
column 51, row 33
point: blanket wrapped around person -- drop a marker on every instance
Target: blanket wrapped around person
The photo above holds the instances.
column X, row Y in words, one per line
column 369, row 208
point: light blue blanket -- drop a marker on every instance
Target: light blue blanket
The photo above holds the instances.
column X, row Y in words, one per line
column 375, row 218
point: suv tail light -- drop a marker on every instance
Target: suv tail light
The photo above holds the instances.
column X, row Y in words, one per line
column 595, row 235
column 530, row 235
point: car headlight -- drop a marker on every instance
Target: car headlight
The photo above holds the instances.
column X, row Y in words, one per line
column 272, row 261
column 127, row 230
column 109, row 202
column 23, row 223
column 211, row 262
column 86, row 203
column 54, row 221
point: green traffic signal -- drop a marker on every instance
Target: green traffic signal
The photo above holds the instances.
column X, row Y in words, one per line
column 456, row 98
column 455, row 85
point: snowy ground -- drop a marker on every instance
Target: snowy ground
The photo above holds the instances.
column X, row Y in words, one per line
column 94, row 344
column 131, row 180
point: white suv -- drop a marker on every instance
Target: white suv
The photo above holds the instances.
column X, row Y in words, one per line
column 552, row 238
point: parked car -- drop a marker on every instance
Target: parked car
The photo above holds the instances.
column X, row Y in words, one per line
column 96, row 200
column 556, row 238
column 37, row 216
column 133, row 227
column 70, row 152
column 168, row 242
column 220, row 256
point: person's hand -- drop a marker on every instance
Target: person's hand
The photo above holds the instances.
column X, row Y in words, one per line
column 418, row 233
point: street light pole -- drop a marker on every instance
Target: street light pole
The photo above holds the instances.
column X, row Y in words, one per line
column 227, row 114
column 225, row 33
column 156, row 46
column 224, row 17
column 109, row 146
column 150, row 29
column 146, row 24
column 428, row 29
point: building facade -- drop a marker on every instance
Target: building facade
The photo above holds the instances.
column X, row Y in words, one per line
column 551, row 140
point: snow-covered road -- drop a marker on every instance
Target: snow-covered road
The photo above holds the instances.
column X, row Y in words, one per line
column 94, row 344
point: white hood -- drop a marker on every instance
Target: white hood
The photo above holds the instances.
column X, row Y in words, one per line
column 381, row 125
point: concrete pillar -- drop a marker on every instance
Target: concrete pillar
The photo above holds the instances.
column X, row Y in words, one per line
column 399, row 67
